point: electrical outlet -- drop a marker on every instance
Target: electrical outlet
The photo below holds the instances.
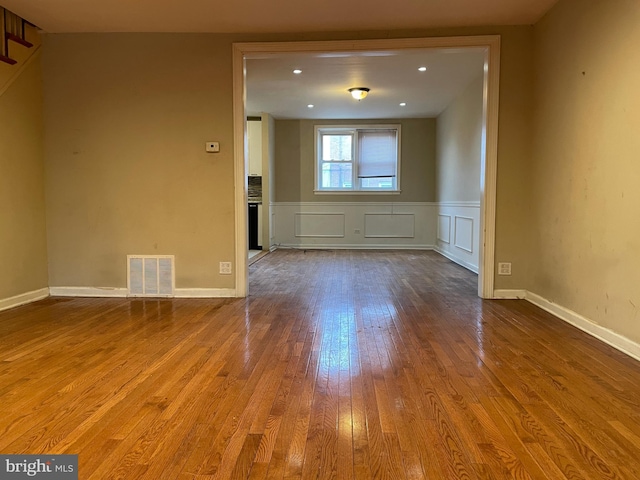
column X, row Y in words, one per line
column 504, row 268
column 225, row 268
column 212, row 147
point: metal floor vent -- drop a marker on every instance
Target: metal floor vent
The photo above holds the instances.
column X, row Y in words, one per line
column 150, row 275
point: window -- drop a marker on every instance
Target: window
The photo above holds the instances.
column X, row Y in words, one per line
column 358, row 158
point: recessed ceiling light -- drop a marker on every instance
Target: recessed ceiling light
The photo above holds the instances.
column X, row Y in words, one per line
column 297, row 71
column 310, row 105
column 422, row 69
column 403, row 104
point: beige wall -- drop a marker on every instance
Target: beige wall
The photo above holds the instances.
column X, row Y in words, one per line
column 513, row 223
column 458, row 146
column 295, row 164
column 585, row 197
column 126, row 119
column 23, row 243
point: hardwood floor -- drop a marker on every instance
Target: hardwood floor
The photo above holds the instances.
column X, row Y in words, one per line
column 340, row 364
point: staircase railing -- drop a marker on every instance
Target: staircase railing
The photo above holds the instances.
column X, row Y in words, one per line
column 12, row 29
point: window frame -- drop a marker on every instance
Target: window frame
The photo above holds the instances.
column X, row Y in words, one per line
column 353, row 129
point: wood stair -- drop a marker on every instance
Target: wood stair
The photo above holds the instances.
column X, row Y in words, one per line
column 12, row 29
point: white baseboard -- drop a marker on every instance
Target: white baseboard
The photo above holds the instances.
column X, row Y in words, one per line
column 23, row 298
column 509, row 294
column 331, row 246
column 462, row 263
column 123, row 292
column 205, row 293
column 88, row 292
column 609, row 337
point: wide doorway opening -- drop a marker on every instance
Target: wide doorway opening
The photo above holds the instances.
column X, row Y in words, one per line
column 458, row 227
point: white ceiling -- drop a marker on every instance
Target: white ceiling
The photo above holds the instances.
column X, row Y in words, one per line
column 392, row 76
column 259, row 16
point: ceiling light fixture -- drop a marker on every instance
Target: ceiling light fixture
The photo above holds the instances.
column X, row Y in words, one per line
column 310, row 105
column 422, row 69
column 359, row 93
column 297, row 71
column 403, row 104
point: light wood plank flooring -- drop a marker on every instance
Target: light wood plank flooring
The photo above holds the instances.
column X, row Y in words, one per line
column 340, row 364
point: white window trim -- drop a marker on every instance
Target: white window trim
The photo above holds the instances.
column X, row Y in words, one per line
column 363, row 126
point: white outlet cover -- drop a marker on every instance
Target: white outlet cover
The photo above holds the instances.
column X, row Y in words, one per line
column 212, row 147
column 504, row 268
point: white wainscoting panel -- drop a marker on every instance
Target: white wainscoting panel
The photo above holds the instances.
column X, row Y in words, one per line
column 319, row 225
column 355, row 224
column 272, row 228
column 464, row 233
column 389, row 225
column 459, row 240
column 444, row 228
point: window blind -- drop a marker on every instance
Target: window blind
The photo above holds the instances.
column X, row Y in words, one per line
column 377, row 153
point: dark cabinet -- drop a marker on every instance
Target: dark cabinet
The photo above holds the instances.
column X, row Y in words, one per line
column 253, row 227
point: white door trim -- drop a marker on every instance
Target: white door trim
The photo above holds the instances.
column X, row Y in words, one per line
column 491, row 43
